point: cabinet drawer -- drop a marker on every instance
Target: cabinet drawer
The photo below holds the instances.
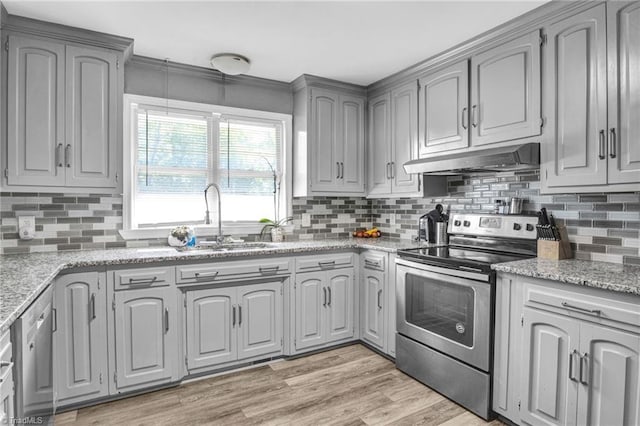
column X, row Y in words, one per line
column 328, row 261
column 374, row 261
column 231, row 271
column 575, row 304
column 143, row 278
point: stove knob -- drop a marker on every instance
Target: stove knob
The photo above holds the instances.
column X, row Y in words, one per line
column 529, row 227
column 467, row 223
column 456, row 223
column 517, row 227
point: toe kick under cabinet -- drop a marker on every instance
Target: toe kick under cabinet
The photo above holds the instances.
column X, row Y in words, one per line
column 566, row 355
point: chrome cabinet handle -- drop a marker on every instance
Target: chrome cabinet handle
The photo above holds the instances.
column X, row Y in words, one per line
column 473, row 116
column 584, row 362
column 54, row 326
column 380, row 299
column 268, row 269
column 371, row 263
column 324, row 300
column 612, row 142
column 464, row 116
column 338, row 168
column 329, row 291
column 142, row 280
column 166, row 320
column 67, row 158
column 205, row 274
column 388, row 172
column 59, row 155
column 233, row 316
column 601, row 146
column 328, row 263
column 578, row 308
column 239, row 315
column 393, row 170
column 93, row 306
column 571, row 361
column 341, row 170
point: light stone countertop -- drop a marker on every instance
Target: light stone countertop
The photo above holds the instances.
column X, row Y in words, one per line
column 603, row 275
column 23, row 277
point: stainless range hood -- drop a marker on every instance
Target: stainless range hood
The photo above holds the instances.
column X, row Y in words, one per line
column 518, row 157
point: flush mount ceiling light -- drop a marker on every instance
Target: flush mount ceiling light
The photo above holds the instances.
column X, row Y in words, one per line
column 230, row 63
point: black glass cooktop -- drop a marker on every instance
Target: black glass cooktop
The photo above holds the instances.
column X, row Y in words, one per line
column 459, row 256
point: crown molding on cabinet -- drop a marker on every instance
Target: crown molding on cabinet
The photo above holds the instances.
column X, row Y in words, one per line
column 68, row 34
column 536, row 18
column 306, row 80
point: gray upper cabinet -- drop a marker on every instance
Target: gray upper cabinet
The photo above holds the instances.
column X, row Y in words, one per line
column 505, row 91
column 63, row 115
column 35, row 112
column 592, row 96
column 443, row 109
column 79, row 344
column 91, row 114
column 329, row 132
column 393, row 140
column 624, row 91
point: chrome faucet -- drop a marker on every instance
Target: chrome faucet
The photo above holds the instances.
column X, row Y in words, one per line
column 207, row 218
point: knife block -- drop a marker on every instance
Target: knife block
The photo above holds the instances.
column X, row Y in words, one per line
column 556, row 250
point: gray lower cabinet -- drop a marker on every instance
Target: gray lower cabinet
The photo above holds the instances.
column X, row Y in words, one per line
column 63, row 108
column 592, row 94
column 79, row 338
column 324, row 303
column 7, row 394
column 228, row 324
column 564, row 357
column 146, row 338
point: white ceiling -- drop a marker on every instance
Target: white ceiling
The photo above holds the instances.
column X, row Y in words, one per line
column 358, row 41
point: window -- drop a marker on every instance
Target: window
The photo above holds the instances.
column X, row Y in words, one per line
column 175, row 149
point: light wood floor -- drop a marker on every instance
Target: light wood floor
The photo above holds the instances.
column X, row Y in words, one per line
column 351, row 385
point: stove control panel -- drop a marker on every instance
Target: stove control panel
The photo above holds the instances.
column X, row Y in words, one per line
column 506, row 226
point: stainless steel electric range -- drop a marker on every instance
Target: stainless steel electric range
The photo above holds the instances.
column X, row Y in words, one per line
column 445, row 304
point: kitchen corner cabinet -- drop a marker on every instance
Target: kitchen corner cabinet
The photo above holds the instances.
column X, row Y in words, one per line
column 497, row 101
column 324, row 304
column 79, row 338
column 393, row 140
column 145, row 323
column 592, row 101
column 63, row 114
column 329, row 146
column 229, row 324
column 566, row 357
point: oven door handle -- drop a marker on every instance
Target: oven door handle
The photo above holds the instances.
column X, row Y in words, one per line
column 459, row 273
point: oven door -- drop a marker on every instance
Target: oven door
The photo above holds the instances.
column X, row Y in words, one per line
column 448, row 313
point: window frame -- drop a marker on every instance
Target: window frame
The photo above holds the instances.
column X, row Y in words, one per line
column 132, row 104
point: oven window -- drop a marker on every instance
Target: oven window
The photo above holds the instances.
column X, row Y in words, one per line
column 440, row 307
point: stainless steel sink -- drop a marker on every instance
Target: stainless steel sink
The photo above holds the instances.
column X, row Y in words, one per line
column 211, row 246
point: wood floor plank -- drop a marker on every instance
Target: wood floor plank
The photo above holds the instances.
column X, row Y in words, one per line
column 350, row 385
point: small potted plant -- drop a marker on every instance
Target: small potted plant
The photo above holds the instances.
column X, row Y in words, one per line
column 275, row 228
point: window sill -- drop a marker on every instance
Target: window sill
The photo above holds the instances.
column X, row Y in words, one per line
column 201, row 231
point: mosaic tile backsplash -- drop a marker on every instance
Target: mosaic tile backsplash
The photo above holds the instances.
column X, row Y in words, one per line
column 603, row 227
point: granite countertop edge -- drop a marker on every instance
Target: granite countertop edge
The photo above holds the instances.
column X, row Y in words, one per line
column 31, row 285
column 601, row 275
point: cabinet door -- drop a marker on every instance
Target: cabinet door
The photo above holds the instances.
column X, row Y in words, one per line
column 325, row 160
column 145, row 337
column 350, row 147
column 311, row 301
column 211, row 327
column 6, row 397
column 379, row 148
column 548, row 394
column 624, row 91
column 404, row 138
column 443, row 109
column 35, row 125
column 574, row 151
column 505, row 91
column 80, row 350
column 91, row 117
column 260, row 318
column 610, row 394
column 372, row 312
column 391, row 306
column 339, row 304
